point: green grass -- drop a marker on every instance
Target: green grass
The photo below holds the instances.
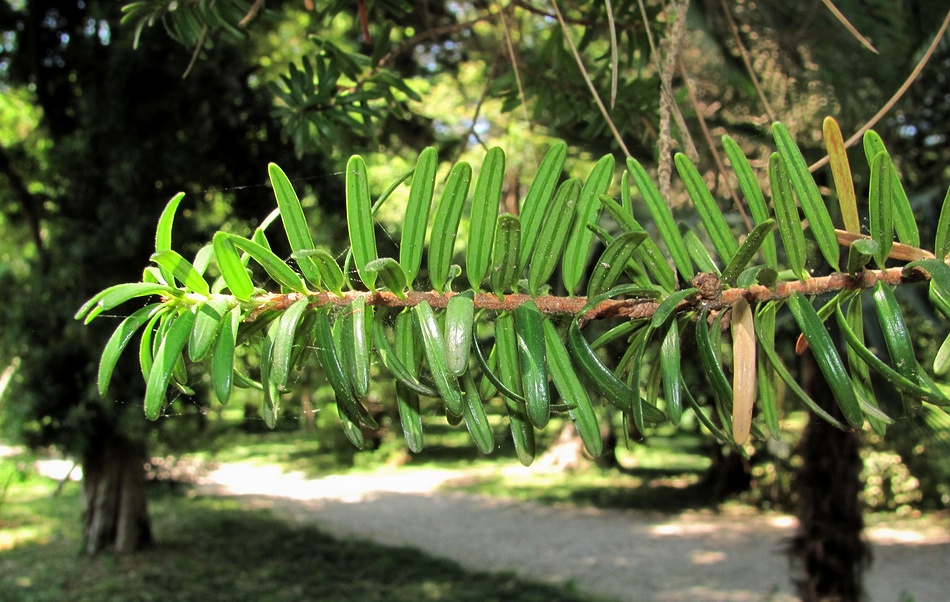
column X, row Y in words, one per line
column 663, row 475
column 328, row 452
column 211, row 549
column 602, row 489
column 315, row 456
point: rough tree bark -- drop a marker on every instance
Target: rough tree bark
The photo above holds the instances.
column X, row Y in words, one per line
column 567, row 453
column 115, row 506
column 728, row 473
column 829, row 548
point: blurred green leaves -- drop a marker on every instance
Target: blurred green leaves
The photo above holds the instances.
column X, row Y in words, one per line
column 335, row 94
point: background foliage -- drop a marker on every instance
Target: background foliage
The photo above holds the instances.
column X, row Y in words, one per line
column 82, row 146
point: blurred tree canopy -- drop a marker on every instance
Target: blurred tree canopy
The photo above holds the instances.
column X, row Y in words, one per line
column 100, row 126
column 93, row 133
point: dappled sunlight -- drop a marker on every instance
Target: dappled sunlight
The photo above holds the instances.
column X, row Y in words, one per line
column 707, row 557
column 729, row 524
column 713, row 594
column 683, row 529
column 607, row 552
column 215, row 549
column 884, row 535
column 59, row 470
column 782, row 521
column 11, row 537
column 23, row 518
column 244, row 479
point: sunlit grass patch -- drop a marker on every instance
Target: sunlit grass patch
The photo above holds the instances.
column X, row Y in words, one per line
column 211, row 549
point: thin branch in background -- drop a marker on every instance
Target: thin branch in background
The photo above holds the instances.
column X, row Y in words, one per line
column 66, row 478
column 646, row 27
column 471, row 128
column 679, row 29
column 5, row 377
column 590, row 84
column 614, row 55
column 364, row 21
column 529, row 8
column 30, row 204
column 805, row 24
column 415, row 41
column 688, row 145
column 431, row 33
column 664, row 169
column 655, row 57
column 478, row 109
column 252, row 12
column 194, row 55
column 712, row 145
column 897, row 95
column 667, row 100
column 847, row 25
column 514, row 67
column 747, row 61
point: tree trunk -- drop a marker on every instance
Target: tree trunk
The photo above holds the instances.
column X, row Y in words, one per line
column 608, row 459
column 115, row 506
column 567, row 453
column 728, row 473
column 829, row 548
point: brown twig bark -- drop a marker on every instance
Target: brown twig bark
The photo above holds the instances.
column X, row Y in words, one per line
column 710, row 296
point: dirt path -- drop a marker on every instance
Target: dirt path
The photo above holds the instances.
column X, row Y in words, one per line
column 629, row 555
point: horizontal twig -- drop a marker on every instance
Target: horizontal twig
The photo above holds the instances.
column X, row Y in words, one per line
column 711, row 296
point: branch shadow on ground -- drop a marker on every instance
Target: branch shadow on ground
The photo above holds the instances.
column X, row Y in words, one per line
column 648, row 489
column 212, row 549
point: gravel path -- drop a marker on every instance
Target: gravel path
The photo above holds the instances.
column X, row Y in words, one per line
column 624, row 555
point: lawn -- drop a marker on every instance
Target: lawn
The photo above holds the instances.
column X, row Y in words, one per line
column 212, row 549
column 663, row 473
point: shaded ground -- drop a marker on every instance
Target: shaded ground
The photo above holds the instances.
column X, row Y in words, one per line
column 215, row 549
column 626, row 555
